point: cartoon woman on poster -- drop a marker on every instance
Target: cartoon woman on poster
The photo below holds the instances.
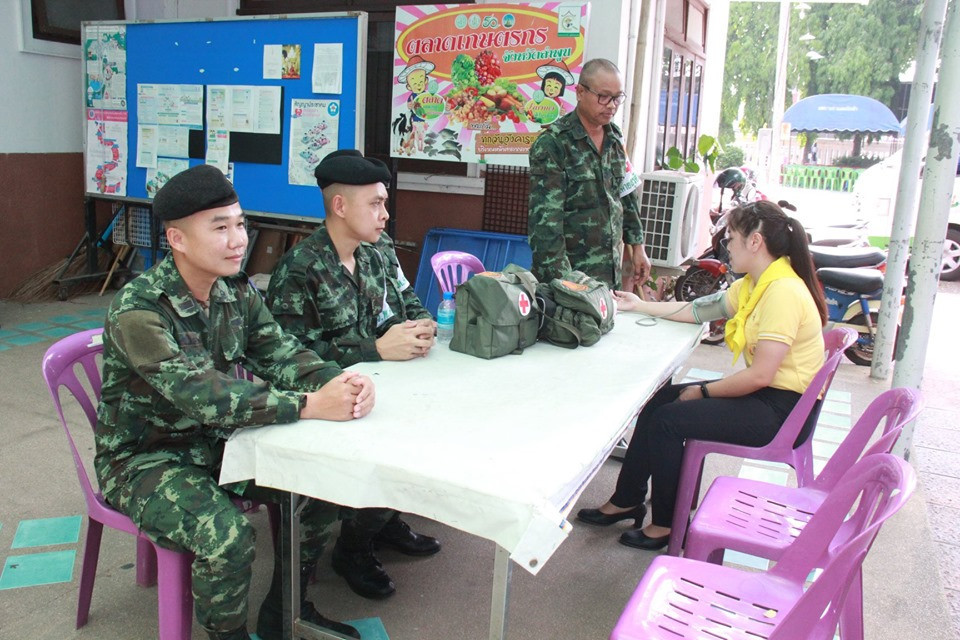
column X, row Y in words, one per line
column 412, row 126
column 544, row 107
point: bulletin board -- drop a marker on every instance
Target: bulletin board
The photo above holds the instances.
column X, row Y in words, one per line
column 119, row 57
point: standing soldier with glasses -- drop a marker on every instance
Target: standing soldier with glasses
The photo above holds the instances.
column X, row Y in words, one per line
column 583, row 204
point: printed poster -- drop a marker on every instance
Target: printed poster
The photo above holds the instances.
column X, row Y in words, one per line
column 314, row 132
column 106, row 157
column 477, row 82
column 105, row 60
column 166, row 169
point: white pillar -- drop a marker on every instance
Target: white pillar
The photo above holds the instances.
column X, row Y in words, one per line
column 904, row 215
column 938, row 177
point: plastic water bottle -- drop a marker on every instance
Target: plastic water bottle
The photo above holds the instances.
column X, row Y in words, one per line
column 445, row 316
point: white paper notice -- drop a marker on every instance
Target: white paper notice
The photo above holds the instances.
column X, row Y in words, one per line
column 240, row 107
column 147, row 104
column 327, row 67
column 166, row 169
column 267, row 110
column 272, row 61
column 217, row 107
column 147, row 146
column 314, row 132
column 218, row 149
column 191, row 105
column 106, row 166
column 173, row 141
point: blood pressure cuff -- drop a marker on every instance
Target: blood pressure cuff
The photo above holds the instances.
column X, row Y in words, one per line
column 711, row 307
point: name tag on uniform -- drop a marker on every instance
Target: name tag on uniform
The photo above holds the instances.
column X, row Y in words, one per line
column 385, row 313
column 402, row 281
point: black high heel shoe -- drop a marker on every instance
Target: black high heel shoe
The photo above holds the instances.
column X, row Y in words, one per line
column 600, row 519
column 637, row 539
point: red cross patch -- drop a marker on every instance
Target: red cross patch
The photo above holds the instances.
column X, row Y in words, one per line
column 523, row 303
column 603, row 309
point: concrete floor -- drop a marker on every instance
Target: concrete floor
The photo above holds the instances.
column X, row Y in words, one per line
column 911, row 574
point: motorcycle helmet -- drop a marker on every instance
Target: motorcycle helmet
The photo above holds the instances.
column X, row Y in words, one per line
column 732, row 178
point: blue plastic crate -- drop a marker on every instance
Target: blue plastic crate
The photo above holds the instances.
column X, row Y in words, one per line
column 495, row 250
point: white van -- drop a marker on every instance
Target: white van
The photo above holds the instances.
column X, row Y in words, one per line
column 874, row 197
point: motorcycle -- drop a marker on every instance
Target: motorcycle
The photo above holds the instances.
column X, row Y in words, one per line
column 853, row 300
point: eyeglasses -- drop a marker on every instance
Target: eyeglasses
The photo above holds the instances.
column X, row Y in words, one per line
column 605, row 99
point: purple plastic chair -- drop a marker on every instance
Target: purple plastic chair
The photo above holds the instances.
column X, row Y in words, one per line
column 763, row 519
column 453, row 268
column 684, row 598
column 780, row 449
column 169, row 570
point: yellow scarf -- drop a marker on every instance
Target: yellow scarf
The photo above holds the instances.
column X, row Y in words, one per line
column 748, row 297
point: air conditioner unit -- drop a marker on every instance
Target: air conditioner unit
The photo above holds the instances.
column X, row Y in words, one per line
column 670, row 213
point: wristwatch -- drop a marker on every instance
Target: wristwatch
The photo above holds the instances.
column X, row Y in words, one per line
column 703, row 390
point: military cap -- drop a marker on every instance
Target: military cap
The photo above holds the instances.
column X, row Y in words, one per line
column 197, row 189
column 348, row 166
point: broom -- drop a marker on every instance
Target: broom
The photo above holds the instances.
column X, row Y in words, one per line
column 40, row 286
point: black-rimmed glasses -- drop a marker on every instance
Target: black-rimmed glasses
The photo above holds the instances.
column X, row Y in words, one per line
column 605, row 99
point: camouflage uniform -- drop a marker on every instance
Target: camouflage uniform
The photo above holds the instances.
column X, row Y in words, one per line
column 339, row 315
column 169, row 401
column 577, row 218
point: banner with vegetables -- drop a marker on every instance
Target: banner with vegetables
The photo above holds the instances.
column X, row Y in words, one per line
column 477, row 82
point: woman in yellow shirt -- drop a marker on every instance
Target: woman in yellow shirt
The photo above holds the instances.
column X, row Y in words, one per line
column 776, row 316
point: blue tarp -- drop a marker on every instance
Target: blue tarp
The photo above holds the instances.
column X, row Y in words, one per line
column 843, row 113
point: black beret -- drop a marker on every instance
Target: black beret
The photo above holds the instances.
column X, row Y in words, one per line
column 348, row 166
column 197, row 189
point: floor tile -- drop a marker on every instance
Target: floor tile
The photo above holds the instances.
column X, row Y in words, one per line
column 704, row 374
column 743, row 560
column 33, row 326
column 45, row 531
column 937, row 438
column 948, row 559
column 944, row 523
column 829, row 434
column 831, row 406
column 59, row 332
column 89, row 324
column 370, row 628
column 942, row 490
column 95, row 312
column 834, row 420
column 763, row 475
column 35, row 569
column 4, row 347
column 65, row 319
column 822, row 449
column 4, row 334
column 944, row 463
column 838, row 395
column 24, row 339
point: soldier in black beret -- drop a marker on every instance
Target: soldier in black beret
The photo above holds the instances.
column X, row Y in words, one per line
column 171, row 342
column 343, row 294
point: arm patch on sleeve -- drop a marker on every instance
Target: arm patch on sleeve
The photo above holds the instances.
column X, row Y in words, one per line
column 144, row 338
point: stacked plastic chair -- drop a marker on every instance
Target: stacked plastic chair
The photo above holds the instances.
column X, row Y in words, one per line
column 454, row 267
column 683, row 598
column 762, row 519
column 780, row 449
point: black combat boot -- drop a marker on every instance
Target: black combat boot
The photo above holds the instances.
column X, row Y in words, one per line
column 270, row 618
column 362, row 571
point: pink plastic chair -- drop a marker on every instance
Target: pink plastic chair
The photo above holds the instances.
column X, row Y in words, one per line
column 763, row 519
column 780, row 449
column 169, row 570
column 684, row 598
column 453, row 268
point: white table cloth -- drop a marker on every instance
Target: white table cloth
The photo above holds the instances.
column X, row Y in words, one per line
column 497, row 448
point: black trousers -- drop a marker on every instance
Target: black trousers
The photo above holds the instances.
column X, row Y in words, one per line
column 656, row 449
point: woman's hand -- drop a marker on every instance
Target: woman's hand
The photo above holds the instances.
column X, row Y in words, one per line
column 626, row 301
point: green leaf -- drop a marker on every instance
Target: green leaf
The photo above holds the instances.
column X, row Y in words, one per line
column 705, row 145
column 691, row 167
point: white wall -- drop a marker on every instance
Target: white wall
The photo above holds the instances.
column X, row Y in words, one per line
column 42, row 105
column 42, row 112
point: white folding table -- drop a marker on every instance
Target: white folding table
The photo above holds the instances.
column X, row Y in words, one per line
column 498, row 448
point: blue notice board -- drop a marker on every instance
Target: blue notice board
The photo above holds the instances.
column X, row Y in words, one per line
column 231, row 52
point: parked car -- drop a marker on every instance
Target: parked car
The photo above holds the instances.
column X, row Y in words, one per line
column 874, row 196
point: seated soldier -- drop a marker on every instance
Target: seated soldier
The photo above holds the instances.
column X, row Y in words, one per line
column 172, row 340
column 342, row 292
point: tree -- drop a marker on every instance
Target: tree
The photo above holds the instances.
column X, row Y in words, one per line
column 865, row 49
